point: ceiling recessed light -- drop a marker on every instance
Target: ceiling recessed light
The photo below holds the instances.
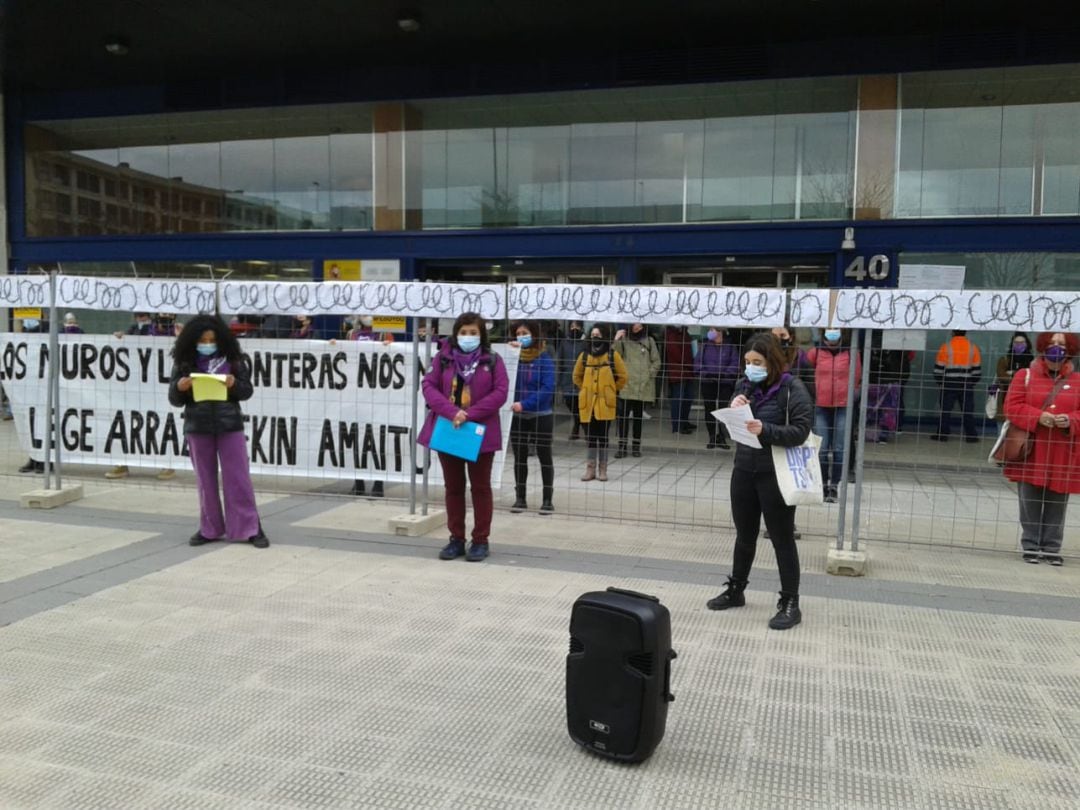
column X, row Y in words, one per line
column 117, row 46
column 257, row 262
column 409, row 23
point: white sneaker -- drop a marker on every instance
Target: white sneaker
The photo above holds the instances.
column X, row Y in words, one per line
column 645, row 414
column 119, row 471
column 166, row 475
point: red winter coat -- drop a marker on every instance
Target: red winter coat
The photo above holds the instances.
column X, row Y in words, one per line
column 831, row 376
column 1054, row 461
column 678, row 354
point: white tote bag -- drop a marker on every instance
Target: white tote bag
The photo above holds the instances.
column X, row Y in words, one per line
column 798, row 472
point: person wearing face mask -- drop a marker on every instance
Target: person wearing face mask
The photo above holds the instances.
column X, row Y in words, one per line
column 569, row 350
column 1019, row 357
column 534, row 417
column 958, row 369
column 467, row 382
column 831, row 363
column 215, row 431
column 71, row 325
column 717, row 366
column 782, row 414
column 143, row 325
column 362, row 330
column 599, row 374
column 1044, row 400
column 642, row 358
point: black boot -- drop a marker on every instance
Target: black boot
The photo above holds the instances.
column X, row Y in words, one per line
column 547, row 507
column 377, row 489
column 519, row 502
column 358, row 487
column 787, row 613
column 730, row 597
column 636, row 452
column 621, row 452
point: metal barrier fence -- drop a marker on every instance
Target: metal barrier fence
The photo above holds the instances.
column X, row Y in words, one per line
column 323, row 403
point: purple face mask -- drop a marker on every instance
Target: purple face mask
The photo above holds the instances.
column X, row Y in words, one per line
column 1019, row 348
column 1055, row 354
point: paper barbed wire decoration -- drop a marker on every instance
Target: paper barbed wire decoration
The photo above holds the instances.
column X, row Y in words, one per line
column 175, row 296
column 712, row 306
column 423, row 299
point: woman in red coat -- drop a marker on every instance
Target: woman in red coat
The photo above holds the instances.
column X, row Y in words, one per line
column 1045, row 401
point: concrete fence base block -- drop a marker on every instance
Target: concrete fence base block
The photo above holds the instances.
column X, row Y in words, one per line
column 417, row 525
column 51, row 498
column 846, row 563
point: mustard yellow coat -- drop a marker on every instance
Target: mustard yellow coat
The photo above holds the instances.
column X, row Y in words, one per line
column 598, row 388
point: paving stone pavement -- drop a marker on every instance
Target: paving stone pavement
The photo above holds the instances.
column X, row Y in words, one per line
column 348, row 669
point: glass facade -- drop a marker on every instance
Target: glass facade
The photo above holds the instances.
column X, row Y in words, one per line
column 990, row 143
column 704, row 153
column 251, row 170
column 966, row 143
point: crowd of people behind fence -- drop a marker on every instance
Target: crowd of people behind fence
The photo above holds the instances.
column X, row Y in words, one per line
column 606, row 375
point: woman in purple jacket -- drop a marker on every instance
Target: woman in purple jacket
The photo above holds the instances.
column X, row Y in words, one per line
column 717, row 365
column 467, row 383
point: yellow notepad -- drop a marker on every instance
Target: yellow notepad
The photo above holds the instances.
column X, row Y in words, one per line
column 209, row 387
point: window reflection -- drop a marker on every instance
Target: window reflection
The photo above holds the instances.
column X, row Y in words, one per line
column 261, row 172
column 990, row 143
column 971, row 143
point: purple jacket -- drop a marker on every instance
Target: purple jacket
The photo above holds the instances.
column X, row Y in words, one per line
column 718, row 360
column 488, row 390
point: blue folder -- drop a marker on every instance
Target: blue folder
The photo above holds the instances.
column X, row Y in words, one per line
column 463, row 442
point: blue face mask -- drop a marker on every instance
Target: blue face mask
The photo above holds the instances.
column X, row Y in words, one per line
column 832, row 335
column 525, row 341
column 1055, row 354
column 468, row 343
column 757, row 374
column 30, row 323
column 207, row 349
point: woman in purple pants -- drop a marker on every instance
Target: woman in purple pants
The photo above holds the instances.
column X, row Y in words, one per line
column 215, row 431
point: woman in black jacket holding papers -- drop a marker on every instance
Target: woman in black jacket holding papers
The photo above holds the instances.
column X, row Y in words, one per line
column 782, row 415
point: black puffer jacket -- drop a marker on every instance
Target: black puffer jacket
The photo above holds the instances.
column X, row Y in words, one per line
column 786, row 419
column 211, row 417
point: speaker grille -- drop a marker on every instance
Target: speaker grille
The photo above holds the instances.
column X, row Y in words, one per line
column 576, row 645
column 642, row 662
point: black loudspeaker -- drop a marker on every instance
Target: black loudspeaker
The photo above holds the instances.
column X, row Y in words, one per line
column 618, row 673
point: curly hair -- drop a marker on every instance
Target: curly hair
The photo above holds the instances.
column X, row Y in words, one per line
column 184, row 349
column 1072, row 342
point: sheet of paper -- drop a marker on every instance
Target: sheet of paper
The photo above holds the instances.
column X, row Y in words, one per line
column 208, row 387
column 735, row 419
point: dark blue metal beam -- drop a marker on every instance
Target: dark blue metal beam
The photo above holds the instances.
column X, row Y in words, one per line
column 1059, row 234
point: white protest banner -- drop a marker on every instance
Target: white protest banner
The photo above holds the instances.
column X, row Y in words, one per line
column 809, row 308
column 895, row 309
column 320, row 409
column 176, row 296
column 1018, row 310
column 421, row 299
column 711, row 306
column 983, row 310
column 24, row 291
